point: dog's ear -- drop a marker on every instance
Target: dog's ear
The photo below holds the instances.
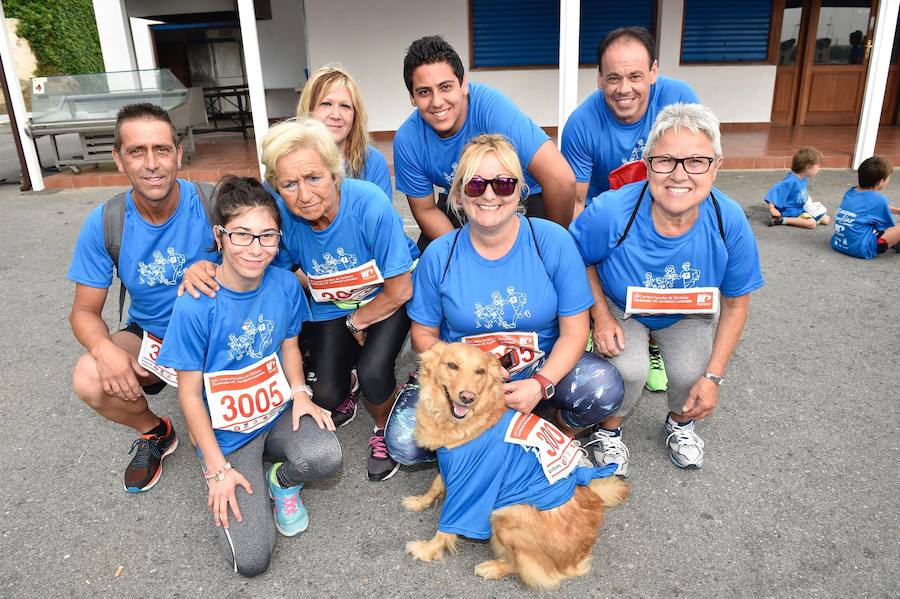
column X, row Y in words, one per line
column 429, row 359
column 493, row 367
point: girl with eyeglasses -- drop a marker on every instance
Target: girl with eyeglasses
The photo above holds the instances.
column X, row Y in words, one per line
column 241, row 383
column 513, row 286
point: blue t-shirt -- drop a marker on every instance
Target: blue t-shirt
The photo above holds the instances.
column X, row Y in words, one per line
column 698, row 258
column 789, row 194
column 152, row 258
column 596, row 143
column 860, row 215
column 487, row 473
column 521, row 291
column 423, row 159
column 234, row 330
column 366, row 227
column 375, row 169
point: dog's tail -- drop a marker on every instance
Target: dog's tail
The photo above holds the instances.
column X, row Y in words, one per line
column 611, row 490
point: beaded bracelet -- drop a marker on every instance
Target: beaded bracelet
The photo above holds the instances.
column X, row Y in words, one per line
column 218, row 476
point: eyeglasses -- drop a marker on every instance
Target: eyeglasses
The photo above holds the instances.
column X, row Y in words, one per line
column 693, row 165
column 245, row 239
column 502, row 186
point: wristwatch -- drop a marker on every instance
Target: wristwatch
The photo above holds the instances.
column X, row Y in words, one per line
column 716, row 379
column 548, row 389
column 350, row 325
column 304, row 388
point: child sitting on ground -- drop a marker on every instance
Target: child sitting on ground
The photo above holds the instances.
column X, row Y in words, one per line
column 864, row 226
column 788, row 200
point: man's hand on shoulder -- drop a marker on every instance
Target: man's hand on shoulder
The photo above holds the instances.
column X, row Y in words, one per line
column 199, row 278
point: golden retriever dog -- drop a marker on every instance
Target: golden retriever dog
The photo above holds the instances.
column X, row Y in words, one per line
column 461, row 397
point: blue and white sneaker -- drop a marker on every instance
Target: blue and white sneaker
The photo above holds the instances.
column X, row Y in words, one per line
column 291, row 517
column 684, row 446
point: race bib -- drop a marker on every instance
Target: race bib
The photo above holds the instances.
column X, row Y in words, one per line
column 150, row 345
column 557, row 453
column 696, row 300
column 814, row 209
column 352, row 285
column 516, row 351
column 245, row 400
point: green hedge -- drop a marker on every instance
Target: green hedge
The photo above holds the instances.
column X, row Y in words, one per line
column 62, row 34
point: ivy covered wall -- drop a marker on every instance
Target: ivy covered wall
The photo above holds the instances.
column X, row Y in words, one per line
column 62, row 34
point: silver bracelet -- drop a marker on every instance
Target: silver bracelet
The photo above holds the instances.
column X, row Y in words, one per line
column 714, row 378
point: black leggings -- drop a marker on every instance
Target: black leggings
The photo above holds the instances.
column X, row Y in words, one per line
column 333, row 351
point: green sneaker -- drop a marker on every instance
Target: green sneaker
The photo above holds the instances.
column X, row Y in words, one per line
column 656, row 378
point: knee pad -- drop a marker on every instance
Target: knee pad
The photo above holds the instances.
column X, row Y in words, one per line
column 593, row 390
column 398, row 434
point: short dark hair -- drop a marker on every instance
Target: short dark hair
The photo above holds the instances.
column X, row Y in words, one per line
column 638, row 34
column 872, row 170
column 430, row 50
column 143, row 111
column 235, row 195
column 805, row 158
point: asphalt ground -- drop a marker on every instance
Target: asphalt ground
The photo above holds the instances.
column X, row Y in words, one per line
column 798, row 496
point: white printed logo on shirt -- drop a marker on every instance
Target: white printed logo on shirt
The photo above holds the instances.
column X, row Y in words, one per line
column 253, row 339
column 496, row 312
column 331, row 265
column 449, row 178
column 670, row 279
column 637, row 153
column 163, row 270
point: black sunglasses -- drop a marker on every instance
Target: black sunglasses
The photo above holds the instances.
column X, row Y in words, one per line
column 502, row 186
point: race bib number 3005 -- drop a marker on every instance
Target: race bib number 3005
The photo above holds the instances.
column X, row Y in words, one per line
column 557, row 452
column 245, row 400
column 150, row 345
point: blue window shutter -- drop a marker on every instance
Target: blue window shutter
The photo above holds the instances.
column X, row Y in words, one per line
column 507, row 33
column 716, row 31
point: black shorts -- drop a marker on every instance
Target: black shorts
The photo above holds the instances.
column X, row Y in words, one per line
column 154, row 388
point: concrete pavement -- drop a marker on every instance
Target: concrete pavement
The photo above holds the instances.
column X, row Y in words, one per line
column 798, row 497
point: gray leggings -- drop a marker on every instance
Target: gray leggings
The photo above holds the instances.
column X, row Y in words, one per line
column 685, row 347
column 309, row 454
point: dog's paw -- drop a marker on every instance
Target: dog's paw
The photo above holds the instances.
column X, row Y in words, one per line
column 416, row 503
column 494, row 569
column 426, row 551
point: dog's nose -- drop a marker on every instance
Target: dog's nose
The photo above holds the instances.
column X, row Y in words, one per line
column 466, row 397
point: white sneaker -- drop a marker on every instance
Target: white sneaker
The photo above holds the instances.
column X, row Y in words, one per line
column 684, row 446
column 609, row 449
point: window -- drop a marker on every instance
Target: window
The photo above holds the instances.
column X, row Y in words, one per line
column 716, row 31
column 525, row 33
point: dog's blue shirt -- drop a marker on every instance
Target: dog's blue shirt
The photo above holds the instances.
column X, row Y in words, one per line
column 488, row 473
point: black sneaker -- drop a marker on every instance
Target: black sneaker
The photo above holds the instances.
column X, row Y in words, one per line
column 380, row 465
column 774, row 221
column 149, row 451
column 345, row 412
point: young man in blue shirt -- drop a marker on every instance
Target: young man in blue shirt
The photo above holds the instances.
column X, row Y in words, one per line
column 165, row 229
column 449, row 112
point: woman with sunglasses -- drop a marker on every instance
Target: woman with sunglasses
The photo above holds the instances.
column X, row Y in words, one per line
column 241, row 384
column 512, row 286
column 690, row 243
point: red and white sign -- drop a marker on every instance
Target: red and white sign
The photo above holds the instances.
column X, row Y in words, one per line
column 150, row 345
column 521, row 347
column 348, row 285
column 558, row 453
column 245, row 400
column 696, row 300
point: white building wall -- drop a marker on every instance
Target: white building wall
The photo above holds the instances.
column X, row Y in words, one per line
column 371, row 40
column 282, row 52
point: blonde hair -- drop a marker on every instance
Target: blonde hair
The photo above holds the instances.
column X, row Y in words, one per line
column 293, row 134
column 320, row 82
column 470, row 159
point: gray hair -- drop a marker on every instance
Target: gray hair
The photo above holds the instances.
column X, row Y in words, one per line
column 697, row 118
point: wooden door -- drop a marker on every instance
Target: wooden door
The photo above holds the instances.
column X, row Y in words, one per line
column 823, row 57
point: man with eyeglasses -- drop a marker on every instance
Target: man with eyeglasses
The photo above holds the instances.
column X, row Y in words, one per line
column 161, row 226
column 450, row 111
column 609, row 129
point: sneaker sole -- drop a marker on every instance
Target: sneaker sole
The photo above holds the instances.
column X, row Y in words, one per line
column 655, row 390
column 374, row 477
column 686, row 466
column 285, row 533
column 155, row 479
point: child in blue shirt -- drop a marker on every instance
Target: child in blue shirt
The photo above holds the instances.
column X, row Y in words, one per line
column 788, row 199
column 864, row 226
column 241, row 383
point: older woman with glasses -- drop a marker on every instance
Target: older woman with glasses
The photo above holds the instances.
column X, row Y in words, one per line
column 513, row 286
column 664, row 250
